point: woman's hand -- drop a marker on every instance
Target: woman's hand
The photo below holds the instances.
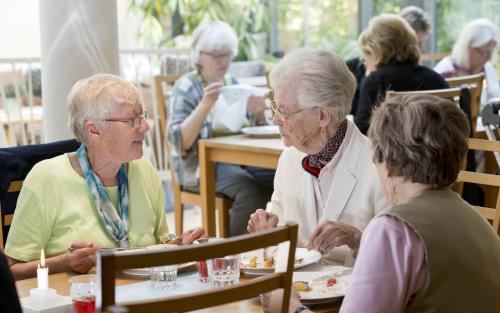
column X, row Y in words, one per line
column 81, row 257
column 191, row 235
column 329, row 235
column 211, row 94
column 262, row 220
column 257, row 107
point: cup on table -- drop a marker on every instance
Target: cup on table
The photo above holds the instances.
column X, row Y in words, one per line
column 163, row 277
column 202, row 265
column 224, row 271
column 82, row 291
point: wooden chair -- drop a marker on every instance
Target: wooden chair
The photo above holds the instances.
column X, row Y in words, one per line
column 109, row 263
column 475, row 84
column 449, row 93
column 15, row 164
column 182, row 197
column 433, row 57
column 14, row 187
column 484, row 179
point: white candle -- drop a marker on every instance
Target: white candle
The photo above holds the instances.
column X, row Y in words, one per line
column 42, row 274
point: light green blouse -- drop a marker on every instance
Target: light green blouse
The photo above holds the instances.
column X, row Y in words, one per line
column 55, row 209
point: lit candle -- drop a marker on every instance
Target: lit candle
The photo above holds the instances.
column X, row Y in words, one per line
column 42, row 274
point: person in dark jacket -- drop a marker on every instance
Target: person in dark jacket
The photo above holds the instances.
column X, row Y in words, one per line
column 418, row 20
column 390, row 53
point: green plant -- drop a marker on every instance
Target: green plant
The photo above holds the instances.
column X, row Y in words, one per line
column 161, row 16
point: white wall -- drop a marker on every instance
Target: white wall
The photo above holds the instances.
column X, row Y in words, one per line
column 20, row 28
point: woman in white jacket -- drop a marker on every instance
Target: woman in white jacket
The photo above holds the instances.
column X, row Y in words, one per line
column 326, row 180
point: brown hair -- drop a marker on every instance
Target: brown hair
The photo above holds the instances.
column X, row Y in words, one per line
column 389, row 38
column 420, row 137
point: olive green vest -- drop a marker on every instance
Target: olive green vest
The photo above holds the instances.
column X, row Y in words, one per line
column 462, row 253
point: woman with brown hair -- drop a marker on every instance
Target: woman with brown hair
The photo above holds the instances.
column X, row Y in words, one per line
column 429, row 251
column 419, row 143
column 390, row 53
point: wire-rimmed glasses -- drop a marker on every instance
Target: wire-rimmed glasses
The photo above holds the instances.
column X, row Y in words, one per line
column 133, row 122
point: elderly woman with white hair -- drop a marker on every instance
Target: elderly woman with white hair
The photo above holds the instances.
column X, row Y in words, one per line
column 472, row 54
column 325, row 181
column 101, row 196
column 190, row 117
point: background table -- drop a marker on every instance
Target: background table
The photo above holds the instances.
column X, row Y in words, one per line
column 238, row 149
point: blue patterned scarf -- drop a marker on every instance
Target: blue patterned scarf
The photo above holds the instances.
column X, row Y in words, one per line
column 116, row 226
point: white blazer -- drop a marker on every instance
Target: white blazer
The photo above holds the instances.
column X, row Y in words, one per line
column 355, row 195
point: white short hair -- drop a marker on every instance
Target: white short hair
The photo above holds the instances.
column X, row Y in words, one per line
column 96, row 97
column 320, row 77
column 475, row 34
column 212, row 36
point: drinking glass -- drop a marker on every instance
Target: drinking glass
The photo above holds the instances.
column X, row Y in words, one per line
column 224, row 271
column 202, row 265
column 82, row 292
column 163, row 277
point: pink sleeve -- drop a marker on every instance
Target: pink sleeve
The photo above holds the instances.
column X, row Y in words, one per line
column 389, row 269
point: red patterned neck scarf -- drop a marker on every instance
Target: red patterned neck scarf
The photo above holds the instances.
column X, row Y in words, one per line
column 314, row 163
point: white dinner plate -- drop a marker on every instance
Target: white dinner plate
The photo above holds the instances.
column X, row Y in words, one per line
column 266, row 131
column 145, row 271
column 306, row 258
column 318, row 282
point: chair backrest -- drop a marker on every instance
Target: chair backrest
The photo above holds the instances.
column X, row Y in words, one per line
column 449, row 93
column 14, row 189
column 163, row 84
column 111, row 262
column 15, row 164
column 460, row 95
column 433, row 57
column 484, row 179
column 475, row 84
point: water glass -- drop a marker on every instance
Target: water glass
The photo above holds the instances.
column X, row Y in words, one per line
column 82, row 292
column 163, row 277
column 224, row 271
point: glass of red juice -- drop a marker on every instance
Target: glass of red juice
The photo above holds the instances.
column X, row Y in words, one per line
column 82, row 292
column 202, row 265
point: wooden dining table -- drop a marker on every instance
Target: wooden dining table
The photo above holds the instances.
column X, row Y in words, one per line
column 60, row 283
column 236, row 149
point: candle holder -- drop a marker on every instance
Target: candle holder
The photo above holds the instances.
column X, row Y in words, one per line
column 45, row 301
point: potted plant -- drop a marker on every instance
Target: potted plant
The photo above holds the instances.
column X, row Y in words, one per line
column 250, row 19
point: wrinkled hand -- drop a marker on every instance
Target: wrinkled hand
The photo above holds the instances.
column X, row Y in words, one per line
column 210, row 94
column 81, row 257
column 265, row 300
column 191, row 235
column 257, row 107
column 329, row 235
column 262, row 220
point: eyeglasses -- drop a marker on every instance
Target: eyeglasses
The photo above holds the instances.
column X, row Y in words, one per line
column 283, row 116
column 133, row 122
column 484, row 53
column 219, row 56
